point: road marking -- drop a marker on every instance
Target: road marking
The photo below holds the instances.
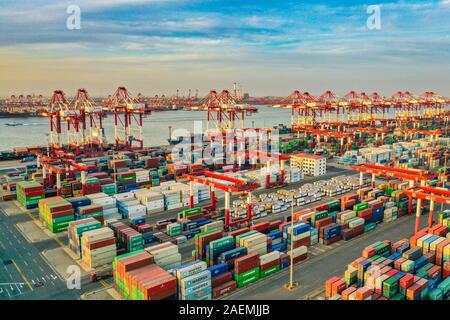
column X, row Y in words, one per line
column 1, row 245
column 23, row 276
column 104, row 284
column 43, row 279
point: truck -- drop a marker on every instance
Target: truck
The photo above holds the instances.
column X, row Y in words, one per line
column 101, row 273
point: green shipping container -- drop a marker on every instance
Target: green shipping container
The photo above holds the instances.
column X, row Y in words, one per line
column 243, row 283
column 270, row 271
column 360, row 206
column 247, row 274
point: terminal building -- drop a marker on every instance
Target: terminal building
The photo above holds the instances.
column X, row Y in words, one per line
column 311, row 165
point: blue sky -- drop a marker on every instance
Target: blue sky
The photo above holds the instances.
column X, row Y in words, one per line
column 270, row 47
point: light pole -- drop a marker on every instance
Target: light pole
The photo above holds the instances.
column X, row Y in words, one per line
column 444, row 176
column 292, row 284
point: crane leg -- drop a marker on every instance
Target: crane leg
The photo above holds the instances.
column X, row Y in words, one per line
column 430, row 216
column 418, row 209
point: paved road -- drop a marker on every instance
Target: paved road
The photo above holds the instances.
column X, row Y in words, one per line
column 312, row 273
column 23, row 267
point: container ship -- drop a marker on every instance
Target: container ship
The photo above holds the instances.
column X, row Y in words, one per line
column 5, row 114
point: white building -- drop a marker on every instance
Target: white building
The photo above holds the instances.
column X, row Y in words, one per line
column 310, row 165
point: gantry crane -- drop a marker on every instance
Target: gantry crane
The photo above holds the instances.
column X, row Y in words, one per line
column 411, row 175
column 407, row 109
column 223, row 110
column 331, row 111
column 227, row 184
column 303, row 112
column 61, row 164
column 57, row 106
column 128, row 119
column 90, row 123
column 424, row 193
column 254, row 156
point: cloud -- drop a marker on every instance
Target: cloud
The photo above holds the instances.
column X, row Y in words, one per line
column 223, row 41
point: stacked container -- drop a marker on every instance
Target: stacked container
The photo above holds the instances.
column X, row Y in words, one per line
column 136, row 277
column 414, row 270
column 216, row 247
column 254, row 242
column 166, row 255
column 153, row 201
column 90, row 211
column 194, row 281
column 56, row 213
column 172, row 199
column 108, row 204
column 269, row 263
column 98, row 247
column 76, row 230
column 246, row 269
column 221, row 280
column 29, row 193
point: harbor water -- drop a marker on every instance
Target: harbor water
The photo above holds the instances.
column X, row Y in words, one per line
column 34, row 131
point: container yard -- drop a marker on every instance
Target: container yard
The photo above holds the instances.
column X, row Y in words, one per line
column 146, row 225
column 165, row 223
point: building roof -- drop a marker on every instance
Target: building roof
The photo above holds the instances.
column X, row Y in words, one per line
column 308, row 156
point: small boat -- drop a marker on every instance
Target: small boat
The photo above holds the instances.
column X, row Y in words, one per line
column 13, row 124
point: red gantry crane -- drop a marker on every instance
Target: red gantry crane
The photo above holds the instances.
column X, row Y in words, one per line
column 227, row 184
column 58, row 105
column 90, row 121
column 412, row 175
column 331, row 109
column 302, row 107
column 60, row 164
column 424, row 193
column 223, row 110
column 128, row 119
column 268, row 158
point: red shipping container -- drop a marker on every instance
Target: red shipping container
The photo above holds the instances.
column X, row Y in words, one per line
column 418, row 235
column 347, row 292
column 406, row 281
column 329, row 284
column 64, row 213
column 446, row 269
column 101, row 243
column 275, row 224
column 368, row 252
column 228, row 287
column 338, row 286
column 270, row 264
column 300, row 258
column 323, row 222
column 260, row 226
column 246, row 263
column 221, row 279
column 321, row 207
column 363, row 293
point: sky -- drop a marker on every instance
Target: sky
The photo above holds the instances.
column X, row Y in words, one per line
column 270, row 47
